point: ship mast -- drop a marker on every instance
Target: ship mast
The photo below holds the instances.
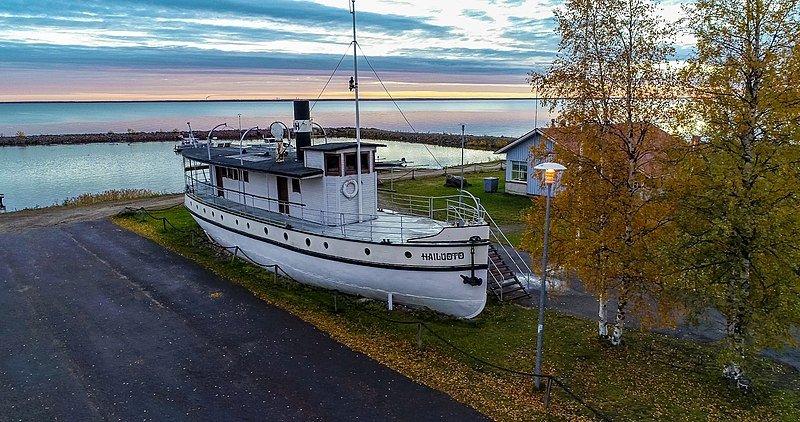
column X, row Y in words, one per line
column 358, row 116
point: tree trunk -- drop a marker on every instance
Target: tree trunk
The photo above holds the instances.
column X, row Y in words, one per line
column 602, row 323
column 619, row 322
column 733, row 371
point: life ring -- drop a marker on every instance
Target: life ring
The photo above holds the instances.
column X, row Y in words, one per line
column 350, row 189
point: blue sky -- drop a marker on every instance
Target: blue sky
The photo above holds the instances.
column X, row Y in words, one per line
column 222, row 49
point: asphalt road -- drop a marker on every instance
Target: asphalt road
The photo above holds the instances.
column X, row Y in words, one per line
column 97, row 323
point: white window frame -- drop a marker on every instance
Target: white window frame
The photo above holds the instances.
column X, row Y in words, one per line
column 519, row 175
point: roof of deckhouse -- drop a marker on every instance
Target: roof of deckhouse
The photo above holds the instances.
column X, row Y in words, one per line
column 338, row 146
column 254, row 160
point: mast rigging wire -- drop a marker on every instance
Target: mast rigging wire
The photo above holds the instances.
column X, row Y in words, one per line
column 395, row 103
column 346, row 53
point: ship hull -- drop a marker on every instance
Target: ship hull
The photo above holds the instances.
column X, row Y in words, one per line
column 424, row 272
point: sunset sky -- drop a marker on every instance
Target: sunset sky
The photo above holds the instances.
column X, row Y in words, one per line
column 79, row 50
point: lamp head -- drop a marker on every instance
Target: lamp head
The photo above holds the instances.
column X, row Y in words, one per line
column 550, row 170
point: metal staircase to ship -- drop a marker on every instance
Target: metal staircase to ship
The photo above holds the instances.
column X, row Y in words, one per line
column 505, row 266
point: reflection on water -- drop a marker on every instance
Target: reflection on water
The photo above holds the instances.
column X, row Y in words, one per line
column 482, row 117
column 46, row 175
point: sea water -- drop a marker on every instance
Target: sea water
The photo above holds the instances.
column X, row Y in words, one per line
column 481, row 117
column 40, row 176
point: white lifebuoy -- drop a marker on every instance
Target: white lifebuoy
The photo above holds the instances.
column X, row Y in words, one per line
column 349, row 188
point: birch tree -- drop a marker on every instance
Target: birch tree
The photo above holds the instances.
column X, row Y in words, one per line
column 740, row 223
column 611, row 84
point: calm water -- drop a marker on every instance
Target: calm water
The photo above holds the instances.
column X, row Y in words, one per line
column 482, row 117
column 46, row 175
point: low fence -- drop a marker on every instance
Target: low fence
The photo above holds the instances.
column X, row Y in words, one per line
column 406, row 173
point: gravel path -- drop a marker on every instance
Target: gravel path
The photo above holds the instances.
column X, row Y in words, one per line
column 15, row 222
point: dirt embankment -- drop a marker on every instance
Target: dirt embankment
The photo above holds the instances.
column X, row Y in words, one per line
column 53, row 216
column 489, row 143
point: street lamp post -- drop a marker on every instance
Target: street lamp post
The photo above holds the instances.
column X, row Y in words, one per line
column 550, row 170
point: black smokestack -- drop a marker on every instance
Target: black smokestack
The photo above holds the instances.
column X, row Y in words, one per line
column 302, row 126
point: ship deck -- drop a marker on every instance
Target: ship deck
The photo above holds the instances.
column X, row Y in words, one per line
column 384, row 226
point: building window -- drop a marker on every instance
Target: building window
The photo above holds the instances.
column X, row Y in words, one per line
column 296, row 185
column 519, row 171
column 333, row 165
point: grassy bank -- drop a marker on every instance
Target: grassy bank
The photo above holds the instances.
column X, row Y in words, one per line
column 651, row 377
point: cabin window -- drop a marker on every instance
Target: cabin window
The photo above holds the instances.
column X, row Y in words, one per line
column 365, row 162
column 333, row 165
column 296, row 185
column 246, row 176
column 350, row 163
column 519, row 171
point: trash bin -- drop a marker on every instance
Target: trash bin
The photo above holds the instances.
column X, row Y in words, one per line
column 490, row 184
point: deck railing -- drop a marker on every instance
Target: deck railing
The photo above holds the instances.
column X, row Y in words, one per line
column 454, row 209
column 427, row 217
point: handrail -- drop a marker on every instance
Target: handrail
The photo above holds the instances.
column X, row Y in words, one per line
column 502, row 238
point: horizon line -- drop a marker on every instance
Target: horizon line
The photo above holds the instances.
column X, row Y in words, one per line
column 249, row 100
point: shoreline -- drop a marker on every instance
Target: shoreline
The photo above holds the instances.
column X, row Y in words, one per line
column 481, row 142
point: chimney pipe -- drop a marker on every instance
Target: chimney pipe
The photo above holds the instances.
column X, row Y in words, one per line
column 302, row 126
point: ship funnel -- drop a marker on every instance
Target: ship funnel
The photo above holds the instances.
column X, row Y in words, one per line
column 302, row 126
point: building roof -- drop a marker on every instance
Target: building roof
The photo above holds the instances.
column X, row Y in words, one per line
column 569, row 136
column 261, row 161
column 338, row 146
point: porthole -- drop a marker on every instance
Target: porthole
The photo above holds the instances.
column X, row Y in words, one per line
column 366, row 251
column 308, row 242
column 221, row 216
column 325, row 245
column 248, row 225
column 286, row 236
column 204, row 210
column 237, row 221
column 266, row 230
column 212, row 214
column 408, row 254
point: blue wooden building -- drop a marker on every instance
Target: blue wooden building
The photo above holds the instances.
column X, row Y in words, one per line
column 521, row 179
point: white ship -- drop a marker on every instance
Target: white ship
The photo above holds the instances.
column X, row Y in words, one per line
column 301, row 212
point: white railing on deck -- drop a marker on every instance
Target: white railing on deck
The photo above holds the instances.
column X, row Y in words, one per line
column 427, row 218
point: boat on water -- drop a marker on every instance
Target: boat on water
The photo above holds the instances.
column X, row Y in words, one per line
column 315, row 212
column 192, row 142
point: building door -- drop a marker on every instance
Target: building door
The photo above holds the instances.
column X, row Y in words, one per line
column 220, row 188
column 283, row 194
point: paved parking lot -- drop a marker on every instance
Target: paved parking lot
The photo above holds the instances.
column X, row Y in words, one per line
column 98, row 323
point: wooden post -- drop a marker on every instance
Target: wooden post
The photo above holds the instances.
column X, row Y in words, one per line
column 547, row 392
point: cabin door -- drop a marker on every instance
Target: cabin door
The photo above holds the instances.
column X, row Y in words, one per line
column 220, row 188
column 283, row 194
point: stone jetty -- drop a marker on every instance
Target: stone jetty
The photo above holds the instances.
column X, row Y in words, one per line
column 490, row 143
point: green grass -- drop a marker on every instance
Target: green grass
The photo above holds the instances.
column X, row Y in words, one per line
column 507, row 210
column 113, row 195
column 651, row 377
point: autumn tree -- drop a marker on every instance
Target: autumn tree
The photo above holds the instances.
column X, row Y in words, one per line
column 611, row 85
column 740, row 219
